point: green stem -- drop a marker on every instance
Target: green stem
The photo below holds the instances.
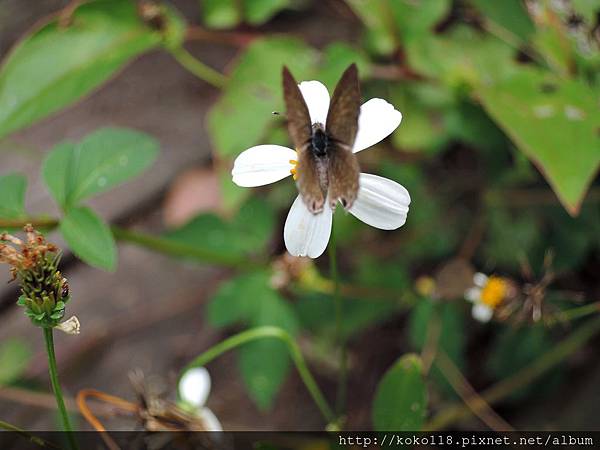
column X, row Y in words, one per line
column 522, row 378
column 339, row 322
column 34, row 439
column 198, row 68
column 49, row 338
column 573, row 313
column 269, row 332
column 174, row 248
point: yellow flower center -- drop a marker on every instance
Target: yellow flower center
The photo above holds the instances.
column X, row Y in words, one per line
column 294, row 170
column 494, row 291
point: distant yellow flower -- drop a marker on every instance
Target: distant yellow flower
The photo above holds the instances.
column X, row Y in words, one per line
column 487, row 294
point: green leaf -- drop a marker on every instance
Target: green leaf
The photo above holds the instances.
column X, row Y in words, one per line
column 510, row 15
column 220, row 14
column 248, row 232
column 451, row 340
column 102, row 160
column 89, row 238
column 378, row 20
column 243, row 114
column 415, row 19
column 12, row 193
column 15, row 356
column 257, row 12
column 336, row 58
column 265, row 364
column 61, row 62
column 234, row 300
column 401, row 398
column 250, row 299
column 545, row 115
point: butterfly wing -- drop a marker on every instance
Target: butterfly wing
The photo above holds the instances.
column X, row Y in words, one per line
column 300, row 129
column 341, row 128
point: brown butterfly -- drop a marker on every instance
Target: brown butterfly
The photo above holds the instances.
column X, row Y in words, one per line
column 327, row 169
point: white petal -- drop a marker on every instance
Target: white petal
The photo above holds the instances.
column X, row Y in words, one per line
column 194, row 386
column 304, row 233
column 480, row 279
column 473, row 294
column 381, row 203
column 316, row 97
column 377, row 120
column 263, row 164
column 211, row 423
column 481, row 312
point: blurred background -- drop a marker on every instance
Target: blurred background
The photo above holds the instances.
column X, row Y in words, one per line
column 499, row 148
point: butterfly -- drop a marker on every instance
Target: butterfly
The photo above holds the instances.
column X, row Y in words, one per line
column 327, row 169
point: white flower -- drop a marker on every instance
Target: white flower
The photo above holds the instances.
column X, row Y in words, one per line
column 70, row 326
column 381, row 203
column 194, row 388
column 486, row 294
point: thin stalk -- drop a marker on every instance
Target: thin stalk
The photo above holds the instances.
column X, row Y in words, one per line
column 173, row 248
column 269, row 332
column 340, row 401
column 198, row 68
column 49, row 338
column 522, row 378
column 34, row 439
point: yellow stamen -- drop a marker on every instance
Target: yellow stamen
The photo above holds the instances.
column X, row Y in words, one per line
column 294, row 170
column 494, row 291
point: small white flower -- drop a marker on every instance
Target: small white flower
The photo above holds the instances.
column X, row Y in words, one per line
column 194, row 388
column 70, row 326
column 381, row 203
column 486, row 294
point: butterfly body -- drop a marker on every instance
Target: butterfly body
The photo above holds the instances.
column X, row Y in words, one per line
column 327, row 169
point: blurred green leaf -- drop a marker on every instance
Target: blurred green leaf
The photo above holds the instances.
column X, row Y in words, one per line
column 514, row 349
column 234, row 300
column 588, row 9
column 61, row 62
column 336, row 58
column 400, row 402
column 545, row 115
column 248, row 232
column 250, row 299
column 415, row 19
column 12, row 193
column 378, row 19
column 243, row 114
column 315, row 312
column 102, row 160
column 510, row 237
column 15, row 356
column 220, row 14
column 257, row 12
column 461, row 58
column 552, row 39
column 265, row 363
column 509, row 15
column 89, row 237
column 451, row 338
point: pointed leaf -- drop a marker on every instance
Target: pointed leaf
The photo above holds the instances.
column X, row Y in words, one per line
column 401, row 398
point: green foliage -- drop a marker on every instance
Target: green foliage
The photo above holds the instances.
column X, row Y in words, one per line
column 243, row 113
column 249, row 299
column 400, row 402
column 15, row 356
column 544, row 115
column 248, row 232
column 507, row 16
column 221, row 14
column 101, row 161
column 447, row 321
column 89, row 237
column 12, row 193
column 68, row 57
